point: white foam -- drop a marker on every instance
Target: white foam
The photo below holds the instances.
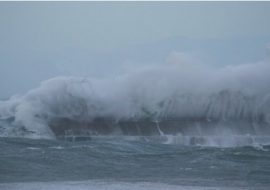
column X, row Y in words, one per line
column 57, row 147
column 180, row 89
column 33, row 148
column 218, row 141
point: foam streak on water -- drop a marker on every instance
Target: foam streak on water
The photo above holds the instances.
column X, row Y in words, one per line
column 100, row 185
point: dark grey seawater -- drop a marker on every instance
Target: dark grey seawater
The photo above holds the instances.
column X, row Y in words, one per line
column 130, row 163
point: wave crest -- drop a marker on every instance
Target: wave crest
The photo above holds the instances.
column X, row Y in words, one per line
column 175, row 98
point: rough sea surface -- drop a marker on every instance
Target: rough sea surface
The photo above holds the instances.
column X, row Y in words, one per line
column 130, row 163
column 181, row 125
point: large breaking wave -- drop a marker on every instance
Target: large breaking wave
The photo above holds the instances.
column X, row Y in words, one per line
column 179, row 97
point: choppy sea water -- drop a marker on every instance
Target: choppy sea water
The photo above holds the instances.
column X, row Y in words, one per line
column 130, row 163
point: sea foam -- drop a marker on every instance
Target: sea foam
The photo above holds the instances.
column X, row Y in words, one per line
column 192, row 94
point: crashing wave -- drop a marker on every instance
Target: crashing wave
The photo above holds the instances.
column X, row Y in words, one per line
column 184, row 99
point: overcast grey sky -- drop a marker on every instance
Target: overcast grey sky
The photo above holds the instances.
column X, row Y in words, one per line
column 103, row 25
column 39, row 40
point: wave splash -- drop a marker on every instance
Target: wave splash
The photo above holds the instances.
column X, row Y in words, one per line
column 175, row 98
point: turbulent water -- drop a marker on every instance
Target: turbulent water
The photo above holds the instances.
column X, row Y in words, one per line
column 173, row 99
column 130, row 163
column 176, row 126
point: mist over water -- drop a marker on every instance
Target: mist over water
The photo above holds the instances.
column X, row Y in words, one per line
column 180, row 125
column 135, row 95
column 202, row 100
